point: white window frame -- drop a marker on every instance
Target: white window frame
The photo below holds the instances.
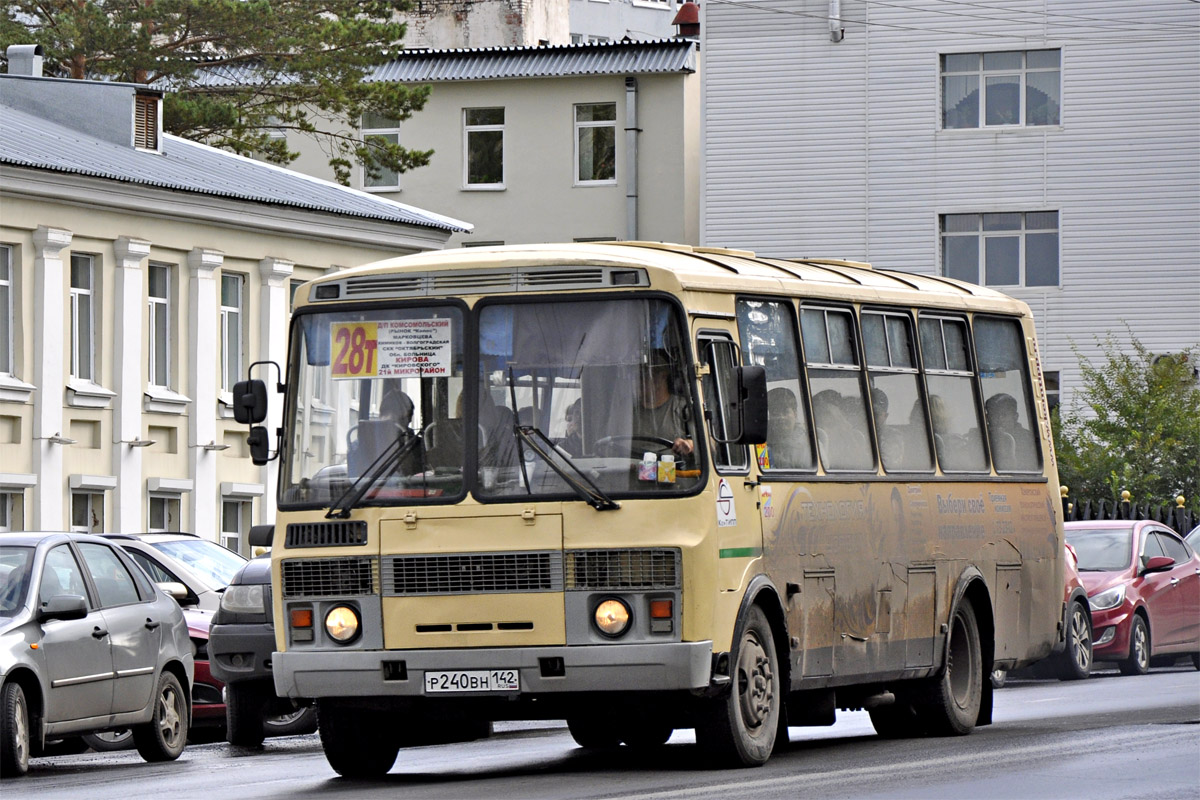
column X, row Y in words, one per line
column 236, row 538
column 232, row 323
column 385, row 182
column 579, row 127
column 172, row 507
column 159, row 309
column 469, row 129
column 981, row 73
column 1022, row 233
column 83, row 301
column 7, row 328
column 92, row 500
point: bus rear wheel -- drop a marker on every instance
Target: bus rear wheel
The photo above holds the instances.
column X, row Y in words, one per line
column 356, row 743
column 950, row 704
column 740, row 728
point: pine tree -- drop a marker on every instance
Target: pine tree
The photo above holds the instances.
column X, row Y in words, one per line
column 237, row 73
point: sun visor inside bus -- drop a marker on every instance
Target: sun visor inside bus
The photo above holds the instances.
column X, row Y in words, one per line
column 571, row 333
column 316, row 339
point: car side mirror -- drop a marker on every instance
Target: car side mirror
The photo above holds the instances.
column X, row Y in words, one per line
column 63, row 606
column 261, row 535
column 174, row 589
column 1158, row 564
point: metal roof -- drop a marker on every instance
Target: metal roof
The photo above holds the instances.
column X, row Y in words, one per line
column 655, row 56
column 28, row 140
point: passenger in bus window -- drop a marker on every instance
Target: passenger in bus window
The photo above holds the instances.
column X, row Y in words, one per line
column 842, row 447
column 1012, row 443
column 891, row 442
column 498, row 445
column 787, row 434
column 572, row 441
column 659, row 412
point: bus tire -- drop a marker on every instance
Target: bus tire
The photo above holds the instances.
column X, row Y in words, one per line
column 740, row 729
column 594, row 733
column 950, row 704
column 355, row 742
column 897, row 721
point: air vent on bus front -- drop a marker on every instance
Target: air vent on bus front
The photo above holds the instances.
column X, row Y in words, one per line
column 329, row 577
column 622, row 569
column 519, row 279
column 326, row 534
column 472, row 573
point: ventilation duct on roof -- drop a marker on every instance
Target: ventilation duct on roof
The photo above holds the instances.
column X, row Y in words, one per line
column 25, row 59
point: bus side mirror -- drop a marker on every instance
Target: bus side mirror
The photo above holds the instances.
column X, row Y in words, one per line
column 752, row 397
column 250, row 402
column 260, row 445
column 261, row 535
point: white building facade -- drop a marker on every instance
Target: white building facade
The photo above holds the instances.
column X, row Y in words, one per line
column 1049, row 149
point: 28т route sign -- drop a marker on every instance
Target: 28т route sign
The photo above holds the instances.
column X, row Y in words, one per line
column 394, row 348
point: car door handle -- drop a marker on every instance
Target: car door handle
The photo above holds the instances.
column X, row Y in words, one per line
column 1174, row 581
column 99, row 633
column 151, row 624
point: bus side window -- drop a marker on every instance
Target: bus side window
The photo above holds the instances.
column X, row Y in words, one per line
column 1004, row 376
column 768, row 333
column 950, row 381
column 900, row 422
column 836, row 380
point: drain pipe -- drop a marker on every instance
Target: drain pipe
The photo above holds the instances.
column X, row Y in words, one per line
column 631, row 159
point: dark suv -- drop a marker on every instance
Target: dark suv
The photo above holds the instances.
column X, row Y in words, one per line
column 240, row 644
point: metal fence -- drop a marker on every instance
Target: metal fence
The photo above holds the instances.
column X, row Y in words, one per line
column 1174, row 515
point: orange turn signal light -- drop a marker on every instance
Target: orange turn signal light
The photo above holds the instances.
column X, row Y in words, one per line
column 302, row 618
column 660, row 609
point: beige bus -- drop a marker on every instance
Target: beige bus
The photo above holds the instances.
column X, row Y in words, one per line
column 645, row 487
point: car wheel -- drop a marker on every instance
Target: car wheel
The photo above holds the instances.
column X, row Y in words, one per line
column 109, row 741
column 245, row 705
column 295, row 723
column 357, row 744
column 1138, row 662
column 165, row 735
column 647, row 736
column 595, row 733
column 1075, row 663
column 740, row 728
column 949, row 705
column 14, row 731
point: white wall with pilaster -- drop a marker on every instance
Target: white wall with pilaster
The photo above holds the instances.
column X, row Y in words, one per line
column 204, row 336
column 272, row 346
column 49, row 375
column 128, row 304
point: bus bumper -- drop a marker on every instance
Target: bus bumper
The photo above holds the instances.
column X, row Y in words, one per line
column 543, row 670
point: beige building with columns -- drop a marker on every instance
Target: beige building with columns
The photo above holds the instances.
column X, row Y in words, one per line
column 140, row 276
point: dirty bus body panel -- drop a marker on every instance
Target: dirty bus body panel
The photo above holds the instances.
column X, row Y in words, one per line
column 646, row 487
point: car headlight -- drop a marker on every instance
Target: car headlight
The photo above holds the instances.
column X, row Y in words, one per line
column 341, row 623
column 1109, row 598
column 612, row 617
column 245, row 598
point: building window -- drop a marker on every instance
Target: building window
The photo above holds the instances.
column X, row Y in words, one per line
column 1015, row 87
column 82, row 330
column 6, row 310
column 231, row 331
column 576, row 38
column 1014, row 249
column 234, row 514
column 483, row 161
column 164, row 513
column 87, row 512
column 1053, row 393
column 6, row 511
column 383, row 129
column 598, row 39
column 293, row 285
column 160, row 325
column 596, row 143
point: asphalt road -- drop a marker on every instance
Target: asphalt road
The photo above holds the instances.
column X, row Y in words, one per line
column 1105, row 738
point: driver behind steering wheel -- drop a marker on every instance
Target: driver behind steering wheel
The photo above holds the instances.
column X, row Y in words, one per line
column 658, row 412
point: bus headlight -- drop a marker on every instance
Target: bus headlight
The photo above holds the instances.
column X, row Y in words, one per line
column 341, row 623
column 612, row 617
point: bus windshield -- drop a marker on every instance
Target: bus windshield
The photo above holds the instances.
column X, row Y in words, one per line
column 380, row 411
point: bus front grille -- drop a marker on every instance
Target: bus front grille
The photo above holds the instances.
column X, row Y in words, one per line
column 328, row 577
column 326, row 534
column 622, row 570
column 472, row 573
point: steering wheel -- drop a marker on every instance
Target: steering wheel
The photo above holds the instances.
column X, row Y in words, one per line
column 661, row 445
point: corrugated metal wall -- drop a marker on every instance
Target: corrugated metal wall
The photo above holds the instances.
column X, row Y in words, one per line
column 821, row 148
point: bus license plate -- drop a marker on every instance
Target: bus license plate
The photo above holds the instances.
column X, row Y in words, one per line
column 476, row 680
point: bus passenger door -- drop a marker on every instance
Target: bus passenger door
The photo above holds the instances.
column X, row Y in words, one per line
column 734, row 488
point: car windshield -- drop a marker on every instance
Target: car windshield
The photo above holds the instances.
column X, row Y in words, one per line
column 15, row 569
column 207, row 559
column 1102, row 550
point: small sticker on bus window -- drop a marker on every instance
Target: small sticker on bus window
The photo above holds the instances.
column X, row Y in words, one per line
column 395, row 348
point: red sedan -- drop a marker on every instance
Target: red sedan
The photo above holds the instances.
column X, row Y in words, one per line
column 1143, row 584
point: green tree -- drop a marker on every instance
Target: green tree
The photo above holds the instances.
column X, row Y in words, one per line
column 1135, row 425
column 237, row 72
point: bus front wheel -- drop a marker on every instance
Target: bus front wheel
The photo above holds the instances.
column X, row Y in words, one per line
column 950, row 704
column 740, row 728
column 357, row 743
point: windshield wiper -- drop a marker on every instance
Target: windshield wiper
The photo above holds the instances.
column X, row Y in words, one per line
column 384, row 463
column 584, row 486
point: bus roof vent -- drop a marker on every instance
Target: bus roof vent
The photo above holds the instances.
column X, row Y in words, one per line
column 488, row 281
column 385, row 286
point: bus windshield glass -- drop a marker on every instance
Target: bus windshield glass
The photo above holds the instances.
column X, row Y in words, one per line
column 604, row 381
